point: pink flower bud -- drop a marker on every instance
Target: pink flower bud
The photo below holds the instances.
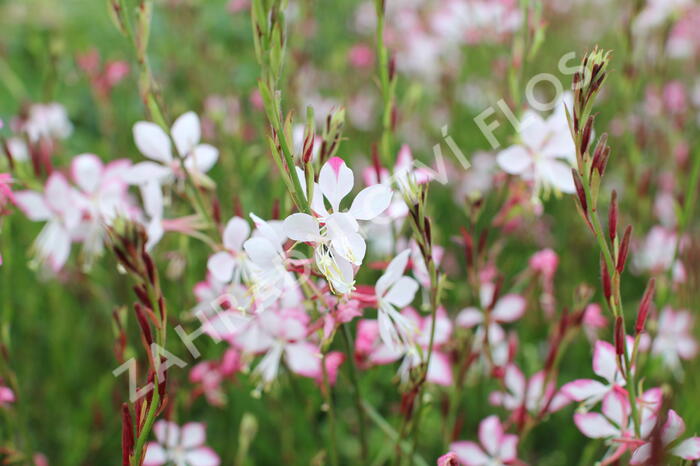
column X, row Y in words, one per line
column 644, row 307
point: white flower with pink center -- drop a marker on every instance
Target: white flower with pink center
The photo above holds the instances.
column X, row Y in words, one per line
column 180, row 446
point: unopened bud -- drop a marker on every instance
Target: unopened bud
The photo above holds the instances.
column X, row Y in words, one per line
column 605, row 275
column 644, row 307
column 624, row 249
column 612, row 216
column 619, row 337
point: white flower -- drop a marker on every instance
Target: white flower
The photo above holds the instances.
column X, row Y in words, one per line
column 338, row 244
column 394, row 290
column 154, row 143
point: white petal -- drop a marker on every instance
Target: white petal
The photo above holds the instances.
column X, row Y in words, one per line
column 509, row 448
column 167, row 433
column 604, row 363
column 402, row 292
column 302, row 227
column 594, row 425
column 203, row 456
column 469, row 454
column 558, row 174
column 514, row 160
column 86, row 170
column 32, row 204
column 304, row 359
column 193, row 435
column 490, row 434
column 144, row 172
column 152, row 141
column 673, row 428
column 515, row 381
column 350, row 246
column 616, row 407
column 261, row 252
column 393, row 272
column 152, row 199
column 155, row 455
column 202, row 158
column 440, row 370
column 469, row 317
column 186, row 132
column 336, row 181
column 641, row 454
column 221, row 266
column 509, row 308
column 371, row 202
column 237, row 230
column 584, row 389
column 688, row 449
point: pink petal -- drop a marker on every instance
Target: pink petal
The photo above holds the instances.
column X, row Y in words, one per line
column 515, row 381
column 594, row 425
column 616, row 407
column 509, row 448
column 469, row 317
column 583, row 389
column 509, row 308
column 440, row 370
column 167, row 433
column 469, row 454
column 673, row 428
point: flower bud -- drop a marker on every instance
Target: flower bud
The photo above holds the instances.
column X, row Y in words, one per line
column 580, row 192
column 612, row 216
column 624, row 249
column 607, row 287
column 619, row 337
column 644, row 307
column 127, row 435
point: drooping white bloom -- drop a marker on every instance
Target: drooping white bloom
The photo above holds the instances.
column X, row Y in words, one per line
column 154, row 143
column 394, row 290
column 335, row 234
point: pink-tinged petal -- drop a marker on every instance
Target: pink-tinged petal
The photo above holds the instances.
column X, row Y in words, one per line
column 443, row 328
column 193, row 435
column 303, row 358
column 688, row 449
column 203, row 456
column 584, row 389
column 336, row 181
column 469, row 454
column 236, row 232
column 302, row 227
column 155, row 455
column 32, row 204
column 221, row 265
column 370, row 202
column 673, row 428
column 687, row 347
column 402, row 292
column 152, row 142
column 469, row 317
column 557, row 174
column 202, row 158
column 641, row 454
column 58, row 194
column 225, row 325
column 448, row 459
column 594, row 425
column 384, row 354
column 167, row 433
column 86, row 170
column 6, row 395
column 186, row 132
column 440, row 370
column 53, row 244
column 509, row 448
column 393, row 272
column 491, row 434
column 604, row 361
column 558, row 402
column 514, row 160
column 616, row 407
column 509, row 308
column 145, row 172
column 515, row 381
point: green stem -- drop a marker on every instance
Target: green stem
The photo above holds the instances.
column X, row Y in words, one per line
column 357, row 395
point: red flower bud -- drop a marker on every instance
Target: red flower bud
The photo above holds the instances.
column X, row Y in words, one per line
column 607, row 286
column 145, row 326
column 619, row 337
column 468, row 247
column 580, row 192
column 644, row 306
column 612, row 216
column 624, row 249
column 127, row 435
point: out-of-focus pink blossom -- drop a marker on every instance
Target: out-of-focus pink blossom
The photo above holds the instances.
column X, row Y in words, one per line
column 545, row 262
column 361, row 56
column 496, row 447
column 182, row 446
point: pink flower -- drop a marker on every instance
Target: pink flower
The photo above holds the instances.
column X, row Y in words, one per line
column 545, row 262
column 674, row 340
column 361, row 56
column 497, row 447
column 181, row 446
column 605, row 366
column 6, row 196
column 448, row 459
column 528, row 394
column 506, row 309
column 688, row 449
column 6, row 396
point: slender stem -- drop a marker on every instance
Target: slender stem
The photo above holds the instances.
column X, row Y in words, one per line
column 390, row 432
column 331, row 412
column 357, row 395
